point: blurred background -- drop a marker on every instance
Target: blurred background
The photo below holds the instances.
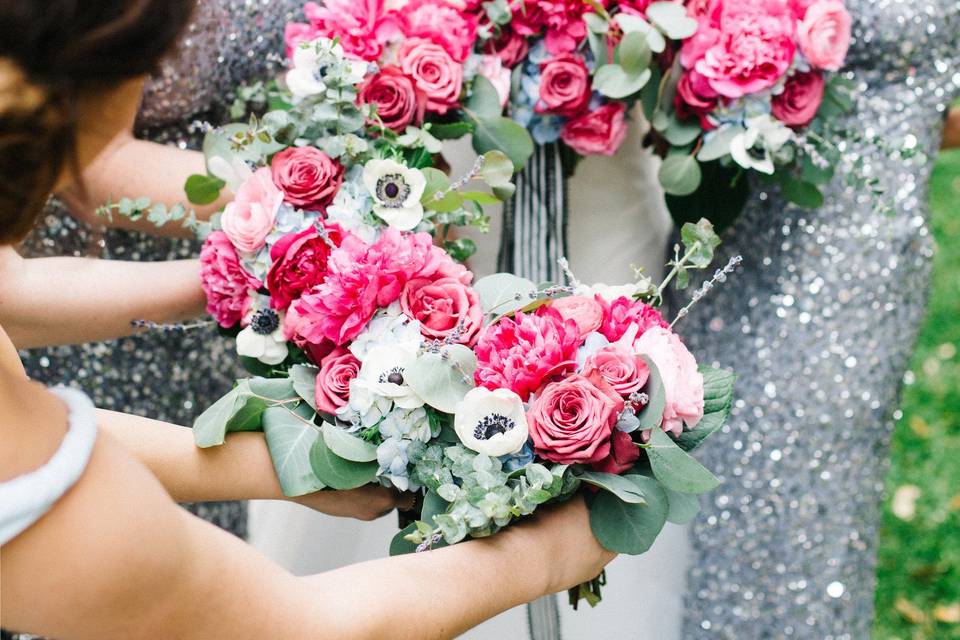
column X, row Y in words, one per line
column 918, row 595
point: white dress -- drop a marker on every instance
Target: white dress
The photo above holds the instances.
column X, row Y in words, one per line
column 617, row 219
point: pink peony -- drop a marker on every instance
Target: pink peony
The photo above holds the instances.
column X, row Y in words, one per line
column 363, row 27
column 438, row 264
column 753, row 50
column 332, row 388
column 564, row 85
column 308, row 177
column 250, row 217
column 299, row 263
column 438, row 76
column 682, row 381
column 623, row 453
column 509, row 46
column 571, row 421
column 695, row 98
column 623, row 369
column 443, row 307
column 441, row 22
column 224, row 281
column 824, row 34
column 622, row 312
column 800, row 100
column 586, row 312
column 395, row 95
column 562, row 20
column 296, row 33
column 522, row 352
column 597, row 132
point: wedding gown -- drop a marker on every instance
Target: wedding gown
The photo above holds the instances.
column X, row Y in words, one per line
column 617, row 219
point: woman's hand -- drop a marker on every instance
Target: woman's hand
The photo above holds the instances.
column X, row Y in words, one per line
column 366, row 503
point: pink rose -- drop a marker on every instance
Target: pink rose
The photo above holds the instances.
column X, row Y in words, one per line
column 224, row 281
column 295, row 34
column 797, row 105
column 824, row 34
column 337, row 369
column 799, row 7
column 509, row 46
column 443, row 307
column 438, row 76
column 682, row 381
column 299, row 263
column 597, row 132
column 491, row 67
column 695, row 98
column 441, row 22
column 395, row 95
column 521, row 352
column 623, row 369
column 622, row 312
column 363, row 27
column 308, row 177
column 586, row 312
column 623, row 453
column 753, row 50
column 571, row 421
column 564, row 85
column 561, row 19
column 250, row 217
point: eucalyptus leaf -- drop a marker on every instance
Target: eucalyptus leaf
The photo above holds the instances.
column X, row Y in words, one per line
column 497, row 171
column 437, row 181
column 622, row 527
column 347, row 446
column 684, row 507
column 484, row 101
column 679, row 133
column 304, row 380
column 613, row 81
column 680, row 174
column 450, row 131
column 502, row 293
column 433, row 505
column 652, row 413
column 443, row 379
column 399, row 545
column 675, row 468
column 672, row 19
column 801, row 193
column 504, row 135
column 702, row 236
column 203, row 189
column 339, row 473
column 290, row 436
column 633, row 53
column 619, row 486
column 596, row 23
column 716, row 143
column 210, row 427
column 717, row 402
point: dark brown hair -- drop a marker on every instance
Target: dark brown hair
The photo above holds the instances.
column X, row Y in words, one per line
column 51, row 53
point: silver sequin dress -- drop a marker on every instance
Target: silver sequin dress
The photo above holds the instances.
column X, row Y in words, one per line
column 169, row 376
column 819, row 324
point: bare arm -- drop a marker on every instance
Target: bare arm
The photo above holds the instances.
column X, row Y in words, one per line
column 48, row 301
column 240, row 469
column 133, row 168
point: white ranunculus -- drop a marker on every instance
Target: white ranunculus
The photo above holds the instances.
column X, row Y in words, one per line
column 383, row 371
column 396, row 192
column 266, row 343
column 389, row 327
column 491, row 422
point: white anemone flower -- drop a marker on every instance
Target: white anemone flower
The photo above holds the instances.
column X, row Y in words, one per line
column 491, row 422
column 754, row 148
column 383, row 370
column 396, row 192
column 263, row 338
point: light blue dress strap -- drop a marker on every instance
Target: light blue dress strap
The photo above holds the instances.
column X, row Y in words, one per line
column 26, row 498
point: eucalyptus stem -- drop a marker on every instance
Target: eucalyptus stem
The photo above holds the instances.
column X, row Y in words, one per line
column 677, row 266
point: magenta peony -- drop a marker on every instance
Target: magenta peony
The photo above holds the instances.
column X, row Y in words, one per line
column 299, row 263
column 442, row 23
column 561, row 21
column 224, row 281
column 362, row 27
column 622, row 312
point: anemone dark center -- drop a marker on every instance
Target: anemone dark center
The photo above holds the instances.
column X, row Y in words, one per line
column 265, row 322
column 757, row 153
column 393, row 376
column 392, row 190
column 491, row 425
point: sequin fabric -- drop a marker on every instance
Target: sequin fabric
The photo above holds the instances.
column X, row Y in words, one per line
column 169, row 376
column 819, row 324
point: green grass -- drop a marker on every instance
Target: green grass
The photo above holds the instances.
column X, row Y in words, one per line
column 919, row 564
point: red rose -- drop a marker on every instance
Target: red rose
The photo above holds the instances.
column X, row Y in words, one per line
column 797, row 105
column 510, row 46
column 443, row 307
column 564, row 85
column 623, row 453
column 597, row 132
column 623, row 370
column 308, row 177
column 299, row 263
column 333, row 380
column 571, row 420
column 695, row 98
column 396, row 97
column 438, row 76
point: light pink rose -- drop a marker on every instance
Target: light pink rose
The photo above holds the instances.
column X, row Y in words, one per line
column 491, row 67
column 564, row 85
column 224, row 281
column 308, row 177
column 586, row 312
column 332, row 388
column 623, row 369
column 797, row 105
column 571, row 420
column 597, row 132
column 438, row 76
column 441, row 22
column 250, row 217
column 754, row 49
column 623, row 453
column 363, row 27
column 682, row 382
column 824, row 34
column 443, row 307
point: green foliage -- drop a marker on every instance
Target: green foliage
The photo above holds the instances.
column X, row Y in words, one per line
column 304, row 379
column 339, row 473
column 620, row 486
column 623, row 527
column 347, row 446
column 442, row 379
column 291, row 435
column 201, row 189
column 683, row 507
column 652, row 414
column 675, row 468
column 680, row 174
column 720, row 198
column 717, row 402
column 503, row 293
